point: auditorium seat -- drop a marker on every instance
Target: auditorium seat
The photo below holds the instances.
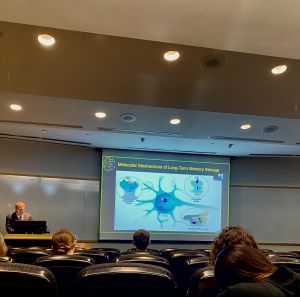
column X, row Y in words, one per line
column 190, row 266
column 282, row 254
column 6, row 259
column 26, row 280
column 203, row 284
column 28, row 255
column 126, row 279
column 65, row 269
column 292, row 263
column 177, row 260
column 145, row 258
column 150, row 251
column 99, row 257
column 112, row 253
column 295, row 252
column 166, row 253
column 266, row 251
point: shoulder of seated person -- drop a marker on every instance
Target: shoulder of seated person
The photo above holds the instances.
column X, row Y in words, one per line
column 259, row 289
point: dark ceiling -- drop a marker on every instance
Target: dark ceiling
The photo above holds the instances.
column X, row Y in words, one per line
column 124, row 70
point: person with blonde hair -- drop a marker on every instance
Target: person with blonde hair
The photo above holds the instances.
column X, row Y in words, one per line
column 63, row 242
column 18, row 215
column 3, row 247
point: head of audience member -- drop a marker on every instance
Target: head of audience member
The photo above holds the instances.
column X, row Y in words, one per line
column 241, row 264
column 3, row 247
column 63, row 242
column 141, row 239
column 20, row 208
column 230, row 236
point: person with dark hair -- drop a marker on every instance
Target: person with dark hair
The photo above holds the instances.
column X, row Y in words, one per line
column 141, row 240
column 244, row 271
column 230, row 236
column 63, row 242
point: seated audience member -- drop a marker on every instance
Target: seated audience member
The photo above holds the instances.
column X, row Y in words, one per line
column 3, row 247
column 18, row 215
column 141, row 240
column 230, row 236
column 243, row 271
column 63, row 242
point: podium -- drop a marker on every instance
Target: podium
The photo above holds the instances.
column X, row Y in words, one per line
column 28, row 240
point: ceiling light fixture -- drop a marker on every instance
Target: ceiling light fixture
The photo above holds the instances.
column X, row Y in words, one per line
column 15, row 107
column 175, row 121
column 171, row 56
column 245, row 126
column 46, row 39
column 279, row 69
column 100, row 115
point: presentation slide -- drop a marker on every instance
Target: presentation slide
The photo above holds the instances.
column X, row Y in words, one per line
column 173, row 196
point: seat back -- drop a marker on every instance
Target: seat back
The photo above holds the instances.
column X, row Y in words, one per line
column 6, row 259
column 65, row 269
column 203, row 284
column 27, row 255
column 98, row 256
column 126, row 279
column 26, row 280
column 150, row 251
column 282, row 254
column 144, row 258
column 190, row 266
column 178, row 258
column 292, row 263
column 112, row 253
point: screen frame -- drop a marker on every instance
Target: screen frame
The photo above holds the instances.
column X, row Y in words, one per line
column 158, row 236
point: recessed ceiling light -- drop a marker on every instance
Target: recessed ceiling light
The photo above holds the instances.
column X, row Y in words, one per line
column 46, row 39
column 15, row 107
column 245, row 126
column 279, row 69
column 100, row 115
column 171, row 56
column 175, row 121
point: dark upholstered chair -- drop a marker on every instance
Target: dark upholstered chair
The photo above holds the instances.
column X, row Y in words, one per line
column 282, row 254
column 150, row 251
column 28, row 255
column 190, row 266
column 6, row 259
column 144, row 258
column 112, row 253
column 126, row 279
column 203, row 284
column 65, row 270
column 266, row 251
column 292, row 263
column 99, row 257
column 166, row 252
column 26, row 280
column 177, row 259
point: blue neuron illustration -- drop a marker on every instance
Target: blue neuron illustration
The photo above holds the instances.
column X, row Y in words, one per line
column 164, row 202
column 197, row 186
column 129, row 188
